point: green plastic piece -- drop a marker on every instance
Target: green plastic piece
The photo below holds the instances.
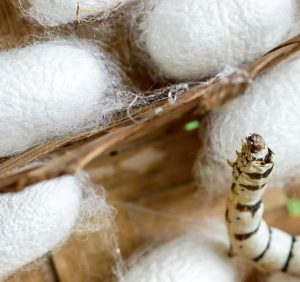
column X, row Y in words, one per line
column 293, row 207
column 192, row 125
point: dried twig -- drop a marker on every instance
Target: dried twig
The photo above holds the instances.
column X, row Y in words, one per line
column 201, row 98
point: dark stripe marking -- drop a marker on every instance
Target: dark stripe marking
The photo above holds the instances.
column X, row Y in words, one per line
column 233, row 189
column 230, row 251
column 260, row 175
column 238, row 169
column 286, row 265
column 268, row 157
column 246, row 236
column 258, row 258
column 251, row 208
column 253, row 188
column 227, row 216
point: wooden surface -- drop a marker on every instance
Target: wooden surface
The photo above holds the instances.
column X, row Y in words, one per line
column 150, row 184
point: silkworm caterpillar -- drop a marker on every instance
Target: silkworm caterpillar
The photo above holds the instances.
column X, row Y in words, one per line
column 249, row 234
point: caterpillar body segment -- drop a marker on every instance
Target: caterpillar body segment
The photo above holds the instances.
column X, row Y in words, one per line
column 249, row 234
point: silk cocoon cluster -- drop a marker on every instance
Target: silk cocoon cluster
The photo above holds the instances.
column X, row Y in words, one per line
column 200, row 255
column 270, row 108
column 56, row 12
column 51, row 89
column 193, row 39
column 35, row 221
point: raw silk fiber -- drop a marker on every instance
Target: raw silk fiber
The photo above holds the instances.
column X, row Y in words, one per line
column 56, row 12
column 271, row 109
column 35, row 221
column 53, row 89
column 193, row 39
column 41, row 218
column 200, row 255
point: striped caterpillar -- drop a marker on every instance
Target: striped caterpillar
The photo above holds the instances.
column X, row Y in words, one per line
column 249, row 234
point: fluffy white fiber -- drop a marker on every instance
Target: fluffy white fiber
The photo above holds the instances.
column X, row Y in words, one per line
column 192, row 39
column 95, row 213
column 270, row 108
column 52, row 89
column 56, row 12
column 36, row 220
column 42, row 217
column 197, row 256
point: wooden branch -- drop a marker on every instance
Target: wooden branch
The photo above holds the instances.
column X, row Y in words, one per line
column 201, row 98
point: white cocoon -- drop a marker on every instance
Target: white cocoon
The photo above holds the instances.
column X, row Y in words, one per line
column 48, row 90
column 196, row 256
column 56, row 12
column 35, row 221
column 192, row 39
column 271, row 109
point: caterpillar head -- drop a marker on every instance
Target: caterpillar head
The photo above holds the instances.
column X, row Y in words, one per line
column 253, row 148
column 255, row 157
column 252, row 169
column 255, row 143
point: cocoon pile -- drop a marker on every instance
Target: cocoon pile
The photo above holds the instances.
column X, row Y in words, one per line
column 192, row 39
column 196, row 256
column 35, row 221
column 270, row 108
column 50, row 89
column 55, row 12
